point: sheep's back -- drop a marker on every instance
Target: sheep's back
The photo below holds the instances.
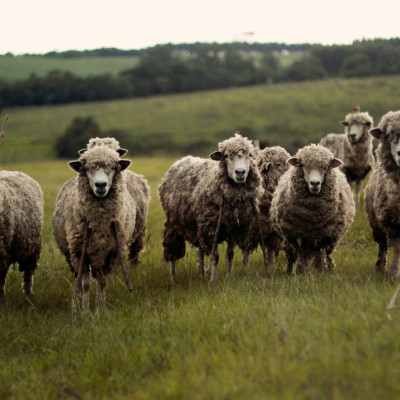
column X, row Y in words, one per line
column 336, row 143
column 21, row 215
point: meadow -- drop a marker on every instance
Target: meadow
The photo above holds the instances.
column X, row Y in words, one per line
column 318, row 336
column 21, row 67
column 290, row 115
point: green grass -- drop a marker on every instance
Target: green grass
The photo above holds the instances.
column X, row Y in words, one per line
column 290, row 115
column 319, row 336
column 21, row 67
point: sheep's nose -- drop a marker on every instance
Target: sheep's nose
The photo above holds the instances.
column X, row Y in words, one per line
column 315, row 183
column 101, row 185
column 398, row 152
column 240, row 172
column 353, row 135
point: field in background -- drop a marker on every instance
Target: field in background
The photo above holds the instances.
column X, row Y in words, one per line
column 21, row 67
column 287, row 337
column 290, row 115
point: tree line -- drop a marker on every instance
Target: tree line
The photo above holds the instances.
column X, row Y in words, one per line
column 171, row 68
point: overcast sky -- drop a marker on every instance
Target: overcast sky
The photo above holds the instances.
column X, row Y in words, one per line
column 40, row 26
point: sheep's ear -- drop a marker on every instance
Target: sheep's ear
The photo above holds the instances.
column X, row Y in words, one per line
column 122, row 152
column 82, row 151
column 294, row 161
column 336, row 163
column 216, row 156
column 345, row 123
column 267, row 167
column 124, row 164
column 376, row 133
column 75, row 165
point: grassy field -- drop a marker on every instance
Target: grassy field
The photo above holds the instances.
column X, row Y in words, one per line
column 290, row 115
column 21, row 67
column 319, row 336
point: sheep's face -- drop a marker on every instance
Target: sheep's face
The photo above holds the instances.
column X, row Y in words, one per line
column 394, row 139
column 313, row 176
column 355, row 130
column 237, row 164
column 100, row 175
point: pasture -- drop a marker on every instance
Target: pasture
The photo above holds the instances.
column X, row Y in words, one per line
column 286, row 337
column 290, row 115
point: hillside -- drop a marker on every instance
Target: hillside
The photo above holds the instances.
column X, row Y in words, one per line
column 21, row 67
column 290, row 114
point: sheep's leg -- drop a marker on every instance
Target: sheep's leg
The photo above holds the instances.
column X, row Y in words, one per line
column 214, row 265
column 291, row 255
column 172, row 269
column 200, row 262
column 101, row 289
column 214, row 250
column 27, row 282
column 381, row 239
column 394, row 266
column 305, row 254
column 3, row 274
column 80, row 272
column 245, row 258
column 262, row 243
column 121, row 255
column 271, row 258
column 229, row 258
column 319, row 260
column 86, row 291
column 357, row 192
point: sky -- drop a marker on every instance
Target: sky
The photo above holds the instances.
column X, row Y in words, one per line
column 41, row 26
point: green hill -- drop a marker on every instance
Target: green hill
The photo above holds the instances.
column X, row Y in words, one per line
column 21, row 67
column 290, row 115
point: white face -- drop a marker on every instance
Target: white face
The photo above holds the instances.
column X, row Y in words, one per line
column 100, row 180
column 238, row 167
column 395, row 149
column 355, row 131
column 314, row 178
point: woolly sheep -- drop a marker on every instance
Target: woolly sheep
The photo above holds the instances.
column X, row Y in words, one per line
column 21, row 223
column 271, row 162
column 106, row 205
column 382, row 194
column 353, row 148
column 312, row 204
column 194, row 193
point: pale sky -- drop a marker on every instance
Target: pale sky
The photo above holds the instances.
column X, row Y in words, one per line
column 41, row 26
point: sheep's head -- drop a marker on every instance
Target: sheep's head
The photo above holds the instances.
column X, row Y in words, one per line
column 108, row 142
column 316, row 162
column 99, row 165
column 356, row 125
column 236, row 154
column 271, row 162
column 388, row 132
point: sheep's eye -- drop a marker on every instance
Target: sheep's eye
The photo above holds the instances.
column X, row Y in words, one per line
column 278, row 165
column 250, row 155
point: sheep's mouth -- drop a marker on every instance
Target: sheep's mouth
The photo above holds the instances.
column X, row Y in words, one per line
column 100, row 193
column 315, row 190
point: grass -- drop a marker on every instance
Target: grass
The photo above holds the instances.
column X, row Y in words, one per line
column 290, row 115
column 21, row 67
column 300, row 337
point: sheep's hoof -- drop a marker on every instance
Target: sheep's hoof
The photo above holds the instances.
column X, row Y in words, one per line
column 379, row 267
column 213, row 279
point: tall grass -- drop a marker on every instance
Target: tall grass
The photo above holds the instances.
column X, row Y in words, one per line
column 286, row 337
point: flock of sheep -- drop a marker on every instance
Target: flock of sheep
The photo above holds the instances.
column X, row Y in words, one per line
column 243, row 195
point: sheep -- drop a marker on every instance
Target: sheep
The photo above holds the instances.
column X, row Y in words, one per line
column 313, row 205
column 382, row 194
column 21, row 223
column 207, row 202
column 271, row 162
column 96, row 219
column 354, row 148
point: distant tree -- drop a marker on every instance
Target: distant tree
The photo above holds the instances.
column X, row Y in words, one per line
column 356, row 65
column 309, row 67
column 76, row 136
